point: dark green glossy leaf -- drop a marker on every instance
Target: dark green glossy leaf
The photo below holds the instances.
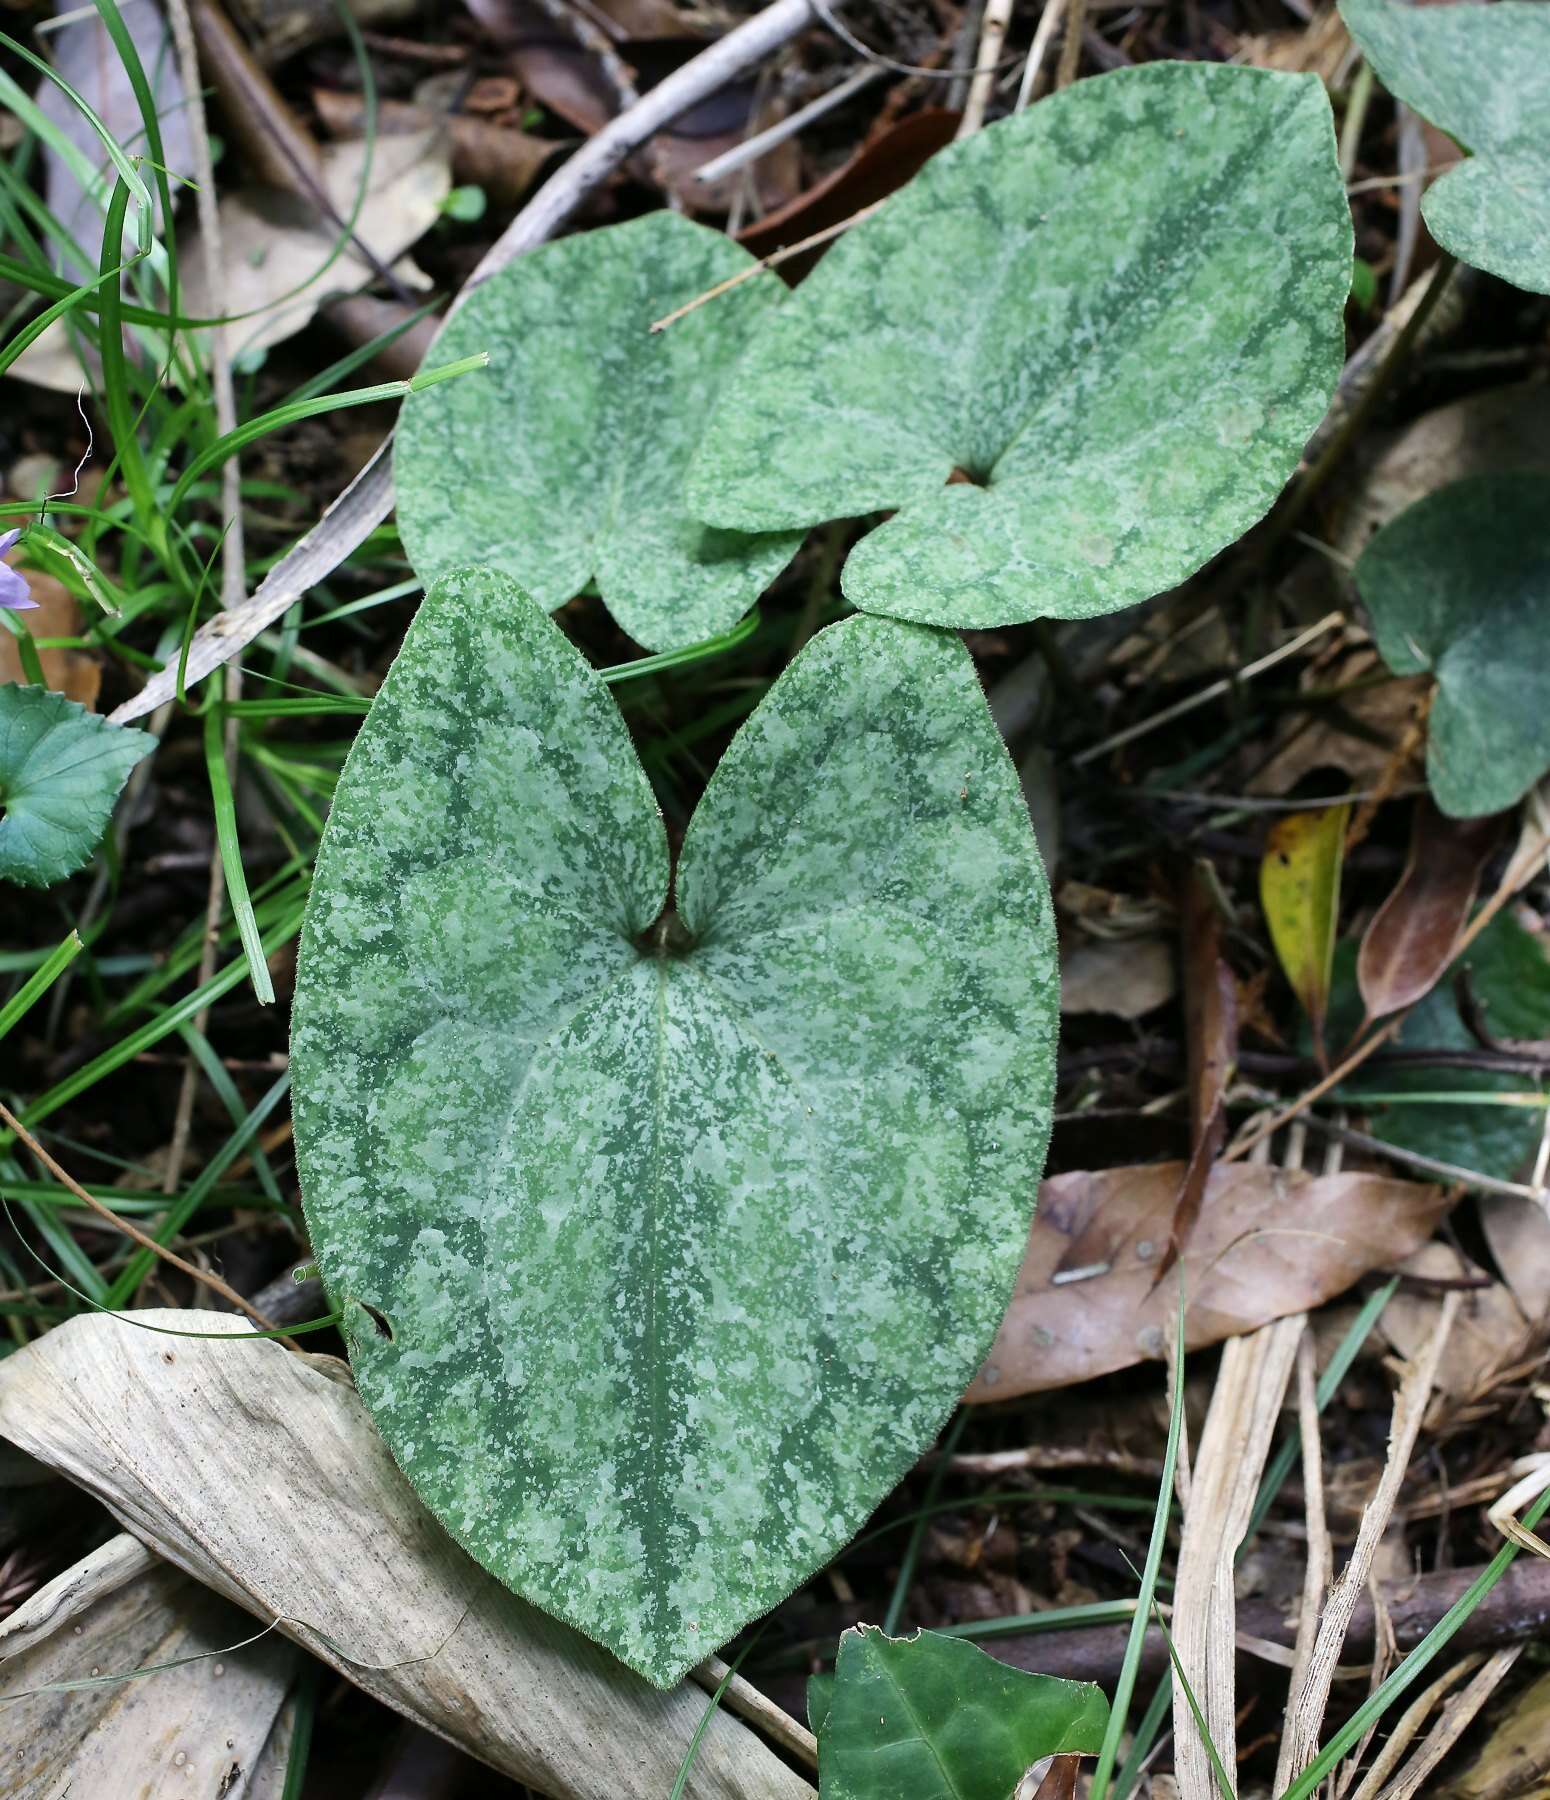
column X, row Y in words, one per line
column 935, row 1718
column 687, row 1230
column 563, row 462
column 1459, row 585
column 1119, row 313
column 1482, row 74
column 61, row 769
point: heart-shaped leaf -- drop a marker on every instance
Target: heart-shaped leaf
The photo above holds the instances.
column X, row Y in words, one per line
column 666, row 1240
column 1481, row 74
column 935, row 1718
column 1459, row 584
column 61, row 769
column 564, row 462
column 1123, row 401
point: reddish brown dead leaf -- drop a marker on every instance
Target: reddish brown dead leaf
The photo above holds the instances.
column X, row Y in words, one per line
column 1059, row 1781
column 75, row 673
column 1410, row 941
column 1267, row 1242
column 876, row 171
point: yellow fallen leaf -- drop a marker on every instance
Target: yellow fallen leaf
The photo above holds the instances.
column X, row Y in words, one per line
column 1299, row 888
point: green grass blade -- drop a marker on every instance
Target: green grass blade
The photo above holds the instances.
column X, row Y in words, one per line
column 225, row 805
column 39, row 982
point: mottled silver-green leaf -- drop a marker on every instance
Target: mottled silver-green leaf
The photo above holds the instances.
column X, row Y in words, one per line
column 1459, row 586
column 563, row 462
column 1119, row 313
column 1481, row 74
column 61, row 769
column 687, row 1230
column 934, row 1718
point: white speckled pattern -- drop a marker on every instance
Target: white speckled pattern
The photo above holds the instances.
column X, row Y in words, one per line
column 686, row 1252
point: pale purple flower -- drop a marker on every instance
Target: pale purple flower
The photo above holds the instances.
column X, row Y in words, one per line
column 14, row 592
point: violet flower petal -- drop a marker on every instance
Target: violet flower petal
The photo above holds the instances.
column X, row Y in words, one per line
column 14, row 593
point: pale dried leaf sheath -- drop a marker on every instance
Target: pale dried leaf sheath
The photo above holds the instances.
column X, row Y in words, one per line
column 1244, row 1408
column 287, row 1501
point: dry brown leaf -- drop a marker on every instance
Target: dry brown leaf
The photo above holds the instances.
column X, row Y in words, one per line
column 503, row 162
column 1489, row 1333
column 1123, row 977
column 75, row 673
column 1411, row 938
column 286, row 1500
column 1360, row 740
column 1267, row 1242
column 200, row 1728
column 275, row 243
column 1518, row 1232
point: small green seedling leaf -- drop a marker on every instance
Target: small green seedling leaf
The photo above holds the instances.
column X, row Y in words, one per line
column 935, row 1718
column 565, row 462
column 61, row 769
column 666, row 1239
column 1481, row 74
column 1068, row 420
column 1459, row 585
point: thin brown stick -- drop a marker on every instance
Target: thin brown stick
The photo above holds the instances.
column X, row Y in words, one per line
column 764, row 264
column 754, row 1708
column 215, row 1284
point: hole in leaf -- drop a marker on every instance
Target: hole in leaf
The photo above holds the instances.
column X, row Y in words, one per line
column 379, row 1319
column 962, row 477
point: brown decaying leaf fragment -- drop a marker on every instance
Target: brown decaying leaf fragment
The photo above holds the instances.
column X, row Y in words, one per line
column 1267, row 1242
column 1059, row 1781
column 1411, row 939
column 504, row 163
column 1211, row 1028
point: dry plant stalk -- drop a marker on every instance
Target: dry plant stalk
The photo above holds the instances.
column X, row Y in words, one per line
column 1409, row 1723
column 1320, row 1568
column 1228, row 1466
column 1457, row 1716
column 1306, row 1704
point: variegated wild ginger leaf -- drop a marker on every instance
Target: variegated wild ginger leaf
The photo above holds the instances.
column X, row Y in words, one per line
column 667, row 1233
column 1079, row 353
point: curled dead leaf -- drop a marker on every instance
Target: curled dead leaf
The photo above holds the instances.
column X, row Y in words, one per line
column 1412, row 936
